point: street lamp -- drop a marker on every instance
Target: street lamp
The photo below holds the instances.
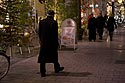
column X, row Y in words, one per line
column 113, row 8
column 93, row 6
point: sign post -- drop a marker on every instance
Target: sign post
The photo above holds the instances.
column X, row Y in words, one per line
column 68, row 34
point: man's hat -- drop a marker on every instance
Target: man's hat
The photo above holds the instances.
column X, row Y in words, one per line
column 50, row 12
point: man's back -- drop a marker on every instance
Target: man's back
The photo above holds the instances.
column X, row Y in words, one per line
column 48, row 35
column 100, row 21
column 48, row 32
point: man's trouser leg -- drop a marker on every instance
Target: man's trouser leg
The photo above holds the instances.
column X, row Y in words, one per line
column 56, row 66
column 42, row 68
column 111, row 35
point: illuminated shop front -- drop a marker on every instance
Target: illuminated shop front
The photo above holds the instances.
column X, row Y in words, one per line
column 115, row 7
column 118, row 11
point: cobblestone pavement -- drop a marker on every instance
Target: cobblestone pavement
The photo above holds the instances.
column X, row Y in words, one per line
column 93, row 62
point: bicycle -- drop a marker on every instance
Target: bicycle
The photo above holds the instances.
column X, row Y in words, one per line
column 4, row 64
column 4, row 59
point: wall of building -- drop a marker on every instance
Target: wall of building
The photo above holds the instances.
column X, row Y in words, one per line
column 40, row 8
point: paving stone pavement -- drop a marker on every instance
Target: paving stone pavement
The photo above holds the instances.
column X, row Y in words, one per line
column 93, row 62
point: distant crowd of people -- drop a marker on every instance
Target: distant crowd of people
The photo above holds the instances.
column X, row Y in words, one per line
column 97, row 25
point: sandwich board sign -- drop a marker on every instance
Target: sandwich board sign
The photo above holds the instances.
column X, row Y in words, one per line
column 68, row 33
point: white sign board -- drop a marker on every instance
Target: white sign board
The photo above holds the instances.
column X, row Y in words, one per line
column 68, row 33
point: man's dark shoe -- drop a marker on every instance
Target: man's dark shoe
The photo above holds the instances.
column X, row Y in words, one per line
column 43, row 75
column 58, row 70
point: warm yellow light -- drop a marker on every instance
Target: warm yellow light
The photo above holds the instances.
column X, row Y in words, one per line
column 26, row 34
column 120, row 1
column 1, row 26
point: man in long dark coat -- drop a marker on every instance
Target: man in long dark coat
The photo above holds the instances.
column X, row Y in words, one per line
column 111, row 25
column 92, row 28
column 48, row 35
column 100, row 25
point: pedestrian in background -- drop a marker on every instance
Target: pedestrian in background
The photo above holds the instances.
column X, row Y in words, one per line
column 111, row 25
column 48, row 36
column 100, row 25
column 92, row 28
column 105, row 20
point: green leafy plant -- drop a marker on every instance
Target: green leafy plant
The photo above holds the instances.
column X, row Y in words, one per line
column 65, row 10
column 16, row 16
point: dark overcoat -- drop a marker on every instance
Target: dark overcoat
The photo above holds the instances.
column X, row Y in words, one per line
column 92, row 28
column 111, row 24
column 48, row 36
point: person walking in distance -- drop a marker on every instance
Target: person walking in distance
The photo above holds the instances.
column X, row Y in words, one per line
column 100, row 25
column 111, row 25
column 92, row 28
column 48, row 36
